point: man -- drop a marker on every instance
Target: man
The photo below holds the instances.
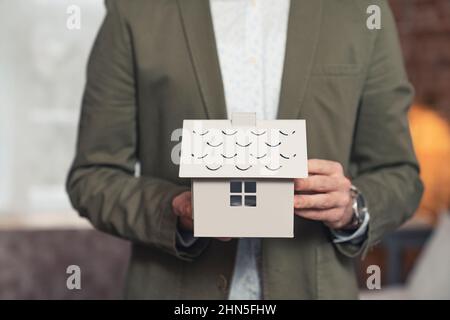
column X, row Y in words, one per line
column 157, row 62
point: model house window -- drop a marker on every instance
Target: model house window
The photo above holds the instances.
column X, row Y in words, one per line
column 243, row 193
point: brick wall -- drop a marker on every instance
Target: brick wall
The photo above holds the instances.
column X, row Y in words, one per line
column 424, row 28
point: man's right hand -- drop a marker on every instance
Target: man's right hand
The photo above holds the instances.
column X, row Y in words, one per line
column 182, row 208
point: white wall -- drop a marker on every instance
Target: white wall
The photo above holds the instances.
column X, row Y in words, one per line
column 42, row 74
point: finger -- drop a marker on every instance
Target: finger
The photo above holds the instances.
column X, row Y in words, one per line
column 311, row 214
column 317, row 183
column 318, row 201
column 180, row 202
column 224, row 239
column 324, row 167
column 188, row 210
column 184, row 210
column 331, row 217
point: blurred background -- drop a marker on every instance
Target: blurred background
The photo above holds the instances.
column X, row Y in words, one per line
column 42, row 64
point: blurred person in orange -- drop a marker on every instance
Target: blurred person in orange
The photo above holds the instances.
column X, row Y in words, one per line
column 431, row 139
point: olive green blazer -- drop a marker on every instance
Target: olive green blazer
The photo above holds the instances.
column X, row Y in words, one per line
column 154, row 63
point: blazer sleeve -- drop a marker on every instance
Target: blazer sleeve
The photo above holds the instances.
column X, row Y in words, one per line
column 383, row 160
column 101, row 184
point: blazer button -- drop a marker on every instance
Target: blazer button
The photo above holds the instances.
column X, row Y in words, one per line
column 222, row 283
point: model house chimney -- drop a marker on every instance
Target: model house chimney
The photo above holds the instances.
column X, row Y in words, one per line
column 243, row 119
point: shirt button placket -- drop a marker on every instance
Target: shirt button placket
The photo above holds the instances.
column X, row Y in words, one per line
column 254, row 46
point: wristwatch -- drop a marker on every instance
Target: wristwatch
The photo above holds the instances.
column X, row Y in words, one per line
column 359, row 208
column 355, row 231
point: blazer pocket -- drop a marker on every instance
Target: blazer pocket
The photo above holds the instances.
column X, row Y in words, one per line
column 336, row 70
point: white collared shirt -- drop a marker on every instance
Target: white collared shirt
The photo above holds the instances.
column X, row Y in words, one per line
column 251, row 43
column 251, row 40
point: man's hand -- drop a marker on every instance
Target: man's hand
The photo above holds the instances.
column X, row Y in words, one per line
column 324, row 195
column 182, row 207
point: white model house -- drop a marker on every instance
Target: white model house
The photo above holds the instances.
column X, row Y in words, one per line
column 242, row 173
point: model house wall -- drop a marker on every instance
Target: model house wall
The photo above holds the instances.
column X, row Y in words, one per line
column 218, row 214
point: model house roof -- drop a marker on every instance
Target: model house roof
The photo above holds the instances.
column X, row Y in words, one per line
column 243, row 147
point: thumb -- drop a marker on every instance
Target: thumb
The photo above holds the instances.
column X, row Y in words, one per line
column 186, row 210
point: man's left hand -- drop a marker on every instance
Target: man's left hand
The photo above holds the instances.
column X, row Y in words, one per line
column 324, row 195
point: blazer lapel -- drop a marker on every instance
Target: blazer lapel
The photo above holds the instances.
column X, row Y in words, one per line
column 305, row 20
column 199, row 32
